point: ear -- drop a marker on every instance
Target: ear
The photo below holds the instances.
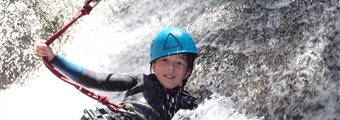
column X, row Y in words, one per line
column 153, row 66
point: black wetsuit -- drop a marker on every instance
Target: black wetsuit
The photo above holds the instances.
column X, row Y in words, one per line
column 150, row 99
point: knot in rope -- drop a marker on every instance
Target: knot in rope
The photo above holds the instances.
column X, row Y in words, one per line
column 86, row 9
column 103, row 99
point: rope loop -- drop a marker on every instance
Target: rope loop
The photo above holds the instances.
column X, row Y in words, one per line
column 101, row 98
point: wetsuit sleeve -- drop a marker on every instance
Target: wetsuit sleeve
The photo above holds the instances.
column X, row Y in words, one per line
column 107, row 82
column 73, row 71
column 88, row 78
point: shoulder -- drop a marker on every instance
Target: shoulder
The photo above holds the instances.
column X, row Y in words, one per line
column 143, row 77
column 148, row 81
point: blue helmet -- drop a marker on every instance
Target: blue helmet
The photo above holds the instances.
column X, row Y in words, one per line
column 171, row 41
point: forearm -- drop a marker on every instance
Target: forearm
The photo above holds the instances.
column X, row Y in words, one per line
column 107, row 82
column 88, row 78
column 70, row 69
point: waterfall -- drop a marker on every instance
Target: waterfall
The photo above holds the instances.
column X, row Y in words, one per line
column 260, row 59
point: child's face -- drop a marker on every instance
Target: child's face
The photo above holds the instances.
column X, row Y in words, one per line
column 171, row 70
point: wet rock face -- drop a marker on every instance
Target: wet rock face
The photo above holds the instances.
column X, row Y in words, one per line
column 279, row 60
column 23, row 23
column 275, row 58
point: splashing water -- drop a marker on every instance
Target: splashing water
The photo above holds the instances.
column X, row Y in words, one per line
column 216, row 107
column 276, row 59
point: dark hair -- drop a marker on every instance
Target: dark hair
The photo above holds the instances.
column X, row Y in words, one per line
column 190, row 59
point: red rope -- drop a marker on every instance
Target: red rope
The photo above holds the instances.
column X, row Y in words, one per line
column 86, row 9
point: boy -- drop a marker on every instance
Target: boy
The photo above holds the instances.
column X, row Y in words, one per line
column 157, row 96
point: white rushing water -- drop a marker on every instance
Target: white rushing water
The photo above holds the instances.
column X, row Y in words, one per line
column 93, row 43
column 217, row 107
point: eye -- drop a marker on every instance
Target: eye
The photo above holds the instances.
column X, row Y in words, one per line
column 179, row 63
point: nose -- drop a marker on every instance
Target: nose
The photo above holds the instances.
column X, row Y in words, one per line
column 171, row 67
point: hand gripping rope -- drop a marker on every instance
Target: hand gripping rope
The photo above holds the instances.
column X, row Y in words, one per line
column 86, row 9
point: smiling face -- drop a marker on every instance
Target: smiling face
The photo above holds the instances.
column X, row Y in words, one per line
column 171, row 70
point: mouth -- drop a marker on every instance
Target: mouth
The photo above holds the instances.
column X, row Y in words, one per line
column 169, row 76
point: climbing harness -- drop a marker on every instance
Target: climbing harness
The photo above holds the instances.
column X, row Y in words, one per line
column 127, row 113
column 86, row 9
column 128, row 110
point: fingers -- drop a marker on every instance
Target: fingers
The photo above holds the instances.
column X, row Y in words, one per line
column 42, row 50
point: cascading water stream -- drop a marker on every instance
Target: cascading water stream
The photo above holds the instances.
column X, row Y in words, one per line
column 261, row 59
